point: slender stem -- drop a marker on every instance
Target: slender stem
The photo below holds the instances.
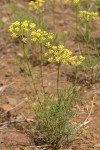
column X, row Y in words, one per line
column 29, row 69
column 95, row 46
column 41, row 67
column 87, row 36
column 54, row 14
column 76, row 70
column 76, row 20
column 87, row 32
column 58, row 71
column 39, row 18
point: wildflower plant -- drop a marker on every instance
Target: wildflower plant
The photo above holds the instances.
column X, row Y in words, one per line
column 75, row 4
column 83, row 15
column 85, row 20
column 53, row 110
column 60, row 54
column 38, row 6
column 50, row 110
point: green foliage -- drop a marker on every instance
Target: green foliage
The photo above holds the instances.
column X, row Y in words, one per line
column 98, row 3
column 2, row 24
column 55, row 114
column 23, row 56
column 92, row 68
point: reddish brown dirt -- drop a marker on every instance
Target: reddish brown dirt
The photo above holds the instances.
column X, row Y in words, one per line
column 17, row 125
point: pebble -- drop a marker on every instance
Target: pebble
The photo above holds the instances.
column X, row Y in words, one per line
column 97, row 145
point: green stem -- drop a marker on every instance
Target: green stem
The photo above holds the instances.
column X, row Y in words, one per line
column 31, row 74
column 54, row 15
column 76, row 20
column 39, row 18
column 87, row 35
column 76, row 70
column 29, row 69
column 58, row 71
column 95, row 46
column 41, row 67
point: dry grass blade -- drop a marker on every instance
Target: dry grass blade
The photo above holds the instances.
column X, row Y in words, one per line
column 14, row 107
column 4, row 87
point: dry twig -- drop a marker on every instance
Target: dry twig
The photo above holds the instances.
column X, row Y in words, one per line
column 87, row 120
column 13, row 107
column 4, row 87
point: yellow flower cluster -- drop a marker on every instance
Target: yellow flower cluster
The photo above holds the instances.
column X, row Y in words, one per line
column 88, row 16
column 60, row 54
column 42, row 37
column 36, row 4
column 21, row 29
column 75, row 60
column 26, row 28
column 57, row 54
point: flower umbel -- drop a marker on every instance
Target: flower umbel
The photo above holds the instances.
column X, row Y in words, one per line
column 88, row 16
column 60, row 54
column 41, row 36
column 36, row 4
column 21, row 29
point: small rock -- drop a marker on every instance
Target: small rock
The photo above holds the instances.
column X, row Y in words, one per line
column 4, row 19
column 97, row 145
column 8, row 74
column 19, row 138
